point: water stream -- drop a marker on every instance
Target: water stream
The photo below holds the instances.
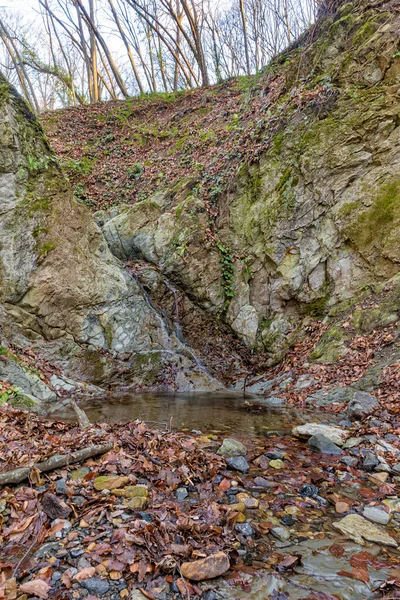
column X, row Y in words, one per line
column 228, row 414
column 208, row 412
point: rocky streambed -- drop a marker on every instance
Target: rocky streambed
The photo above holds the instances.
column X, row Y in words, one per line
column 309, row 513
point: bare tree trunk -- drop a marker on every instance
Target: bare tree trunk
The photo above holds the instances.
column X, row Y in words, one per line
column 22, row 74
column 93, row 53
column 100, row 39
column 245, row 37
column 127, row 46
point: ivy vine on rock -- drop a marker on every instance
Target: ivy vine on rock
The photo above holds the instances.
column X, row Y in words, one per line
column 228, row 277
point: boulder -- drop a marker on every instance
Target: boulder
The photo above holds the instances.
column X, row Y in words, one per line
column 361, row 405
column 335, row 434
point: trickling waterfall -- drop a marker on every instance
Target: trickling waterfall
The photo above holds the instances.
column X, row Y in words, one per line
column 176, row 326
column 176, row 321
column 165, row 334
column 178, row 330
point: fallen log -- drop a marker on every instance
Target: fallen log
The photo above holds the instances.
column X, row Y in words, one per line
column 54, row 462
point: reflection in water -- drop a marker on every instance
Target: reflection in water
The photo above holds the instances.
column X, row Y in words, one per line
column 202, row 411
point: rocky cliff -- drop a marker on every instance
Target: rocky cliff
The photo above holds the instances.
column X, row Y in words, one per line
column 61, row 288
column 243, row 213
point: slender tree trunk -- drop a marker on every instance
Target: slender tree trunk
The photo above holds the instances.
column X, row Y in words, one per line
column 100, row 39
column 245, row 37
column 93, row 53
column 127, row 46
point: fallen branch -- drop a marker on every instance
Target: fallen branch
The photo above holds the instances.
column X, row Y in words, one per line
column 54, row 462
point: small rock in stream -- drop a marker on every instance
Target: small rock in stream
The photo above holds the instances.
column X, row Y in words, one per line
column 232, row 447
column 376, row 515
column 54, row 507
column 61, row 486
column 335, row 434
column 280, row 533
column 239, row 463
column 320, row 443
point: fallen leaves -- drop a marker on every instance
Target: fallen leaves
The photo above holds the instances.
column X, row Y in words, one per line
column 36, row 587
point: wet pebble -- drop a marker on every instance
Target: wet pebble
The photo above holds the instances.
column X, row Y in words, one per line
column 146, row 516
column 232, row 447
column 47, row 549
column 263, row 483
column 78, row 500
column 238, row 463
column 274, row 455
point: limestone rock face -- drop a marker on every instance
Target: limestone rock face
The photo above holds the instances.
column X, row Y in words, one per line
column 317, row 217
column 59, row 280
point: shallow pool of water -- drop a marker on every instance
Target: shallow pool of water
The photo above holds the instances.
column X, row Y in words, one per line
column 206, row 412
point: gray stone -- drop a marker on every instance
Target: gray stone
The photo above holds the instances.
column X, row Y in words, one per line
column 320, row 443
column 303, row 382
column 274, row 455
column 245, row 529
column 61, row 486
column 309, row 489
column 96, row 586
column 280, row 533
column 352, row 442
column 396, row 468
column 328, row 397
column 370, row 462
column 376, row 515
column 361, row 405
column 238, row 463
column 181, row 494
column 232, row 447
